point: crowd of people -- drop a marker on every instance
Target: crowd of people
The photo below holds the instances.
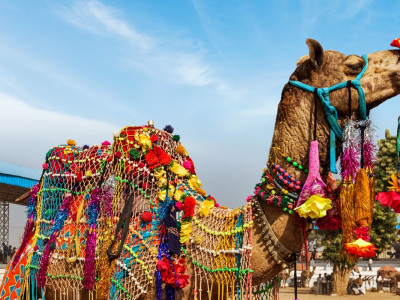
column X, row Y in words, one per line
column 7, row 253
column 323, row 285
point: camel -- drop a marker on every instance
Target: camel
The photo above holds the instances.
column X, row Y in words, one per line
column 306, row 276
column 393, row 276
column 275, row 234
column 283, row 277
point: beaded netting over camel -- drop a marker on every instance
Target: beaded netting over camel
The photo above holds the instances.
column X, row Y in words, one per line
column 129, row 219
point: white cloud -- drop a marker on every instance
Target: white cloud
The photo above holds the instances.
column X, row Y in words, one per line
column 173, row 59
column 29, row 132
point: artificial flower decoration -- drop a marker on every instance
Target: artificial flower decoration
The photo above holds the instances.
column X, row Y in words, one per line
column 186, row 229
column 361, row 248
column 205, row 207
column 395, row 43
column 143, row 140
column 394, row 184
column 391, row 199
column 362, row 233
column 315, row 207
column 173, row 273
column 330, row 222
column 181, row 150
column 178, row 169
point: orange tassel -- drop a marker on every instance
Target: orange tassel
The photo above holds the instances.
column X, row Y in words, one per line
column 362, row 200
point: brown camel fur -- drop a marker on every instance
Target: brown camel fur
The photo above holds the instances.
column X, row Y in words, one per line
column 293, row 134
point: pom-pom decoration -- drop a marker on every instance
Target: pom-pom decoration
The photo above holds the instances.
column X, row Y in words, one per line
column 205, row 207
column 188, row 207
column 169, row 129
column 146, row 217
column 361, row 248
column 71, row 143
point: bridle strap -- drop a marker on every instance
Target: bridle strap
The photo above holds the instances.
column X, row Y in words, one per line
column 330, row 110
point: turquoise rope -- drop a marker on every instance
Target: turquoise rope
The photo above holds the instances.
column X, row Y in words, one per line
column 331, row 112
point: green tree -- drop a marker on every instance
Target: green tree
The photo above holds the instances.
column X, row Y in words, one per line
column 383, row 229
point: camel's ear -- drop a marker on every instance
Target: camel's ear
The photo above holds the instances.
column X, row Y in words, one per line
column 316, row 52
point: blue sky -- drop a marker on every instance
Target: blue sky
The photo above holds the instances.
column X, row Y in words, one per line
column 212, row 69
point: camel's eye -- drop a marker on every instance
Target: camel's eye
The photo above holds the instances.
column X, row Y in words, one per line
column 354, row 64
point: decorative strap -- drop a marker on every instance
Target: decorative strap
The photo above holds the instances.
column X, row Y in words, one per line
column 277, row 250
column 122, row 225
column 331, row 112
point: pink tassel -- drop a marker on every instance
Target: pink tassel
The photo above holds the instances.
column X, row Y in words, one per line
column 41, row 277
column 90, row 262
column 369, row 154
column 350, row 163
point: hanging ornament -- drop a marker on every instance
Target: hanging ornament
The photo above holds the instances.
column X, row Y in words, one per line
column 312, row 202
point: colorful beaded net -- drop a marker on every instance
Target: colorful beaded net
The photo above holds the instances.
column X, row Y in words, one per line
column 121, row 220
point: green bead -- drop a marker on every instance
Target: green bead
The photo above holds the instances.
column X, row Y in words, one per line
column 288, row 158
column 306, row 170
column 291, row 212
column 300, row 167
column 262, row 179
column 295, row 163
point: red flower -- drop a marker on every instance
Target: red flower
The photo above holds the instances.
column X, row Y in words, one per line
column 154, row 138
column 146, row 216
column 188, row 207
column 396, row 43
column 152, row 160
column 163, row 157
column 192, row 170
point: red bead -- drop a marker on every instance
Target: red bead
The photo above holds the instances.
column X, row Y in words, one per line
column 298, row 182
column 285, row 181
column 293, row 179
column 276, row 166
column 291, row 185
column 280, row 177
column 286, row 174
column 297, row 187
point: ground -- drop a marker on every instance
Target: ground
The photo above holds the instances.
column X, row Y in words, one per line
column 303, row 294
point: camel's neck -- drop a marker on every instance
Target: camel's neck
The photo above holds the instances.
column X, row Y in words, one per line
column 294, row 129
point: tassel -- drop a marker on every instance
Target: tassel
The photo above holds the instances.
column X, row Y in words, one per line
column 362, row 199
column 90, row 260
column 104, row 284
column 347, row 214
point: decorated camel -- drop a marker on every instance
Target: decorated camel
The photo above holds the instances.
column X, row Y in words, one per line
column 306, row 276
column 129, row 219
column 283, row 276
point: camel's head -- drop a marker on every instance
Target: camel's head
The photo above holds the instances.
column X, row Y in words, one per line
column 380, row 81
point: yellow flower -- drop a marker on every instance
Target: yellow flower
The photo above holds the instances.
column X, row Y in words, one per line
column 178, row 169
column 163, row 193
column 315, row 207
column 205, row 207
column 71, row 143
column 161, row 181
column 194, row 183
column 186, row 229
column 143, row 140
column 181, row 150
column 178, row 195
column 159, row 174
column 395, row 183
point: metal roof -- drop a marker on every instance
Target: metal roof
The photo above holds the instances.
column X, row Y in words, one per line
column 17, row 175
